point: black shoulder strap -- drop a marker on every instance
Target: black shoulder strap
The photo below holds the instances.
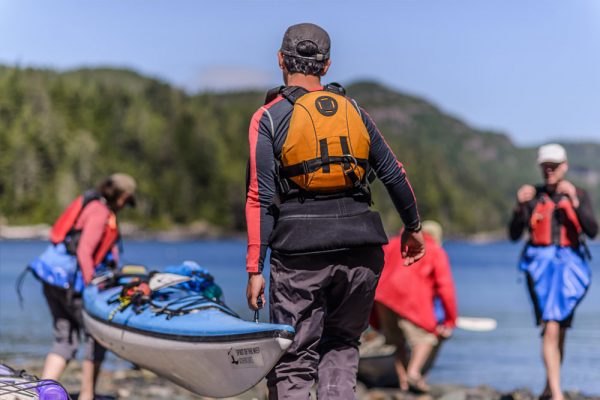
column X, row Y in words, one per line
column 539, row 193
column 89, row 196
column 272, row 94
column 293, row 93
column 336, row 88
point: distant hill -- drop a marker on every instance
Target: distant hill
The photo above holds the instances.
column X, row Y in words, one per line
column 61, row 132
column 465, row 177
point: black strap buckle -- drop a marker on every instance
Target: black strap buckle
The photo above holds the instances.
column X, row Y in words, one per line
column 305, row 168
column 349, row 166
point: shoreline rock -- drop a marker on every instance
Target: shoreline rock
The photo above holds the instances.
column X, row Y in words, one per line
column 194, row 231
column 24, row 232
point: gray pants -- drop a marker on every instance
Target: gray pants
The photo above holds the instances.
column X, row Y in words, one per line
column 68, row 326
column 327, row 298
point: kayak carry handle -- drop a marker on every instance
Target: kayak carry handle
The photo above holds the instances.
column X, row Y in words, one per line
column 259, row 303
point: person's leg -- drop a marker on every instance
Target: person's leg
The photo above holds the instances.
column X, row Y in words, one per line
column 296, row 299
column 65, row 334
column 349, row 301
column 419, row 355
column 400, row 367
column 432, row 357
column 388, row 323
column 90, row 368
column 92, row 357
column 89, row 373
column 421, row 343
column 561, row 342
column 552, row 357
column 54, row 366
column 418, row 358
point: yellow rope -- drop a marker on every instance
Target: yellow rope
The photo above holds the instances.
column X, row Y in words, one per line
column 124, row 302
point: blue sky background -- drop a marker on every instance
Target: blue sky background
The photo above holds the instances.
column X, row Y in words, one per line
column 527, row 68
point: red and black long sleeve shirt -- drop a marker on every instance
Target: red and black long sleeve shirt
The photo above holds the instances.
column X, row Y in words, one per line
column 267, row 134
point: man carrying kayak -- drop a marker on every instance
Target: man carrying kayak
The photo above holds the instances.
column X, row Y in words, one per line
column 83, row 238
column 558, row 215
column 405, row 309
column 312, row 150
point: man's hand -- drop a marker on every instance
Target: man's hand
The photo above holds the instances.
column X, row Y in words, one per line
column 444, row 331
column 255, row 289
column 568, row 189
column 526, row 193
column 412, row 246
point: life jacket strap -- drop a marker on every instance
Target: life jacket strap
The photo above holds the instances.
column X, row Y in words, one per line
column 293, row 93
column 324, row 155
column 308, row 166
column 336, row 88
column 362, row 193
column 348, row 168
column 272, row 94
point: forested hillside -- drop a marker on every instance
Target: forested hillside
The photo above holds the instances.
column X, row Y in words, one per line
column 61, row 132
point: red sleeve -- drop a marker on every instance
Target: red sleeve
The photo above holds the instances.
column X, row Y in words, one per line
column 92, row 223
column 444, row 286
column 261, row 190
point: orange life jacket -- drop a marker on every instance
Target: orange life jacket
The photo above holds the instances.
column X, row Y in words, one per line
column 547, row 215
column 64, row 227
column 326, row 149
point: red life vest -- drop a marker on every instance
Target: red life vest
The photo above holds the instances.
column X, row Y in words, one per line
column 64, row 226
column 548, row 214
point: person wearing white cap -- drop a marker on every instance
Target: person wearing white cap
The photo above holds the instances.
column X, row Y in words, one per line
column 558, row 215
column 83, row 239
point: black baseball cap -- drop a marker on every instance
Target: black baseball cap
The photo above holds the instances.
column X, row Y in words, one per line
column 296, row 34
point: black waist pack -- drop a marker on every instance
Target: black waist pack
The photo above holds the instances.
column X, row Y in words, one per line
column 311, row 233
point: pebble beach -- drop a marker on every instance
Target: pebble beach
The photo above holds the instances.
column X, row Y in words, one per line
column 139, row 384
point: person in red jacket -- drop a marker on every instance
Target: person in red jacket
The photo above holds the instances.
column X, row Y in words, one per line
column 405, row 310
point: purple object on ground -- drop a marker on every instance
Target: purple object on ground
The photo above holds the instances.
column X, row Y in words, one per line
column 6, row 370
column 50, row 390
column 19, row 381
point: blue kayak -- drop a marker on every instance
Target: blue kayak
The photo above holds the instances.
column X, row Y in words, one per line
column 181, row 333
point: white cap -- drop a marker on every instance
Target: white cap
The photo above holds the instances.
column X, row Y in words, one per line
column 552, row 153
column 433, row 229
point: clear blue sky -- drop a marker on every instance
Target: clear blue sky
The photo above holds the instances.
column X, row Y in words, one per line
column 527, row 68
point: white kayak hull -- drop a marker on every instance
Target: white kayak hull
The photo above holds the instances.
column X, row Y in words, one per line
column 216, row 368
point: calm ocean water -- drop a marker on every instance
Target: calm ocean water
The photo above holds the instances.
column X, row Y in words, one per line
column 487, row 281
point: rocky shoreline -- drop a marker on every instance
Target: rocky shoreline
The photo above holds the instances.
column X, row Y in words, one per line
column 136, row 384
column 194, row 231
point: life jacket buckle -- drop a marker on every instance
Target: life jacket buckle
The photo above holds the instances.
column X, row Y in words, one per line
column 349, row 165
column 347, row 160
column 305, row 167
column 284, row 186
